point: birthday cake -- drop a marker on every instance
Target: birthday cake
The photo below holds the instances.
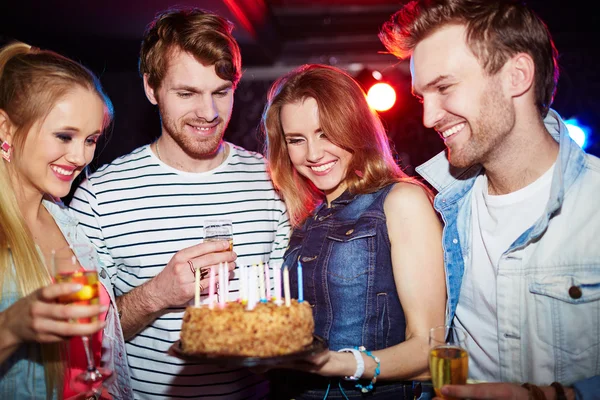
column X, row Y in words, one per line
column 267, row 330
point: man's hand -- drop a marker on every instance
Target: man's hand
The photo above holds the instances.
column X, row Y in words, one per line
column 500, row 391
column 172, row 287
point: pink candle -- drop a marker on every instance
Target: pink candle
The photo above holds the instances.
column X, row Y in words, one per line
column 267, row 281
column 222, row 285
column 211, row 288
column 277, row 276
column 286, row 286
column 197, row 287
column 252, row 287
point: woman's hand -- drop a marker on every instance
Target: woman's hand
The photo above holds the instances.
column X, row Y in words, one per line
column 327, row 363
column 39, row 318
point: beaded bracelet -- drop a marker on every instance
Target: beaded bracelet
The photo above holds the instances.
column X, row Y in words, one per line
column 535, row 393
column 369, row 387
column 560, row 391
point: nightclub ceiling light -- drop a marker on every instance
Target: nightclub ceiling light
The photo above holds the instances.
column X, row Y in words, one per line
column 578, row 132
column 381, row 96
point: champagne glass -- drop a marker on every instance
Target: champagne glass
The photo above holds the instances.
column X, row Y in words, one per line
column 77, row 264
column 448, row 358
column 219, row 229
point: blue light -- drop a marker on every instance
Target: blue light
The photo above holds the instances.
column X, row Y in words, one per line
column 578, row 132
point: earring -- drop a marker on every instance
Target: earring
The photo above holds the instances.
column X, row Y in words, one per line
column 6, row 150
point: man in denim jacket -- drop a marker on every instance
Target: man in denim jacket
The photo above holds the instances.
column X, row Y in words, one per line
column 517, row 195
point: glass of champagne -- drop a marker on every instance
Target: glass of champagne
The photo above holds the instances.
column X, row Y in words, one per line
column 219, row 229
column 77, row 264
column 448, row 358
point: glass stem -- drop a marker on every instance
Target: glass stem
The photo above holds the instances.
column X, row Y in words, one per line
column 88, row 353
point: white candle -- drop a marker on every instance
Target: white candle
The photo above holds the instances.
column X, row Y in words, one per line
column 277, row 276
column 261, row 282
column 252, row 285
column 197, row 283
column 242, row 283
column 286, row 285
column 211, row 288
column 267, row 282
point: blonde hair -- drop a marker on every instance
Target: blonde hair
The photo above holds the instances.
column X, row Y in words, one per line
column 348, row 122
column 31, row 82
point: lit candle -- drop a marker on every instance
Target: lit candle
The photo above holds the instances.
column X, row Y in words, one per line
column 242, row 283
column 286, row 285
column 197, row 283
column 222, row 285
column 267, row 282
column 300, row 290
column 261, row 282
column 252, row 285
column 226, row 281
column 277, row 276
column 211, row 288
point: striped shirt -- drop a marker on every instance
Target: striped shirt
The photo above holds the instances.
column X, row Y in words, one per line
column 139, row 212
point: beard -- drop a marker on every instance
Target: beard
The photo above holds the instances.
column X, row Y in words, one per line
column 494, row 123
column 195, row 146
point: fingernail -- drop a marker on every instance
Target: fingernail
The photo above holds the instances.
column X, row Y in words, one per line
column 76, row 287
column 103, row 308
column 445, row 390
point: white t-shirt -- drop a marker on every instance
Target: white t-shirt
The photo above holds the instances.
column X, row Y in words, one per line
column 139, row 212
column 497, row 221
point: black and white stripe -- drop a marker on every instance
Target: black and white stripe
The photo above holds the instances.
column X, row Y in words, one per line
column 139, row 212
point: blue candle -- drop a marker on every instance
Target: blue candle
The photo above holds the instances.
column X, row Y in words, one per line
column 300, row 290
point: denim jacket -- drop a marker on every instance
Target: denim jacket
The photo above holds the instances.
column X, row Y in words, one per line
column 549, row 306
column 26, row 362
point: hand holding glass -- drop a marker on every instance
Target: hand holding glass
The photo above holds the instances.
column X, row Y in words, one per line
column 448, row 358
column 219, row 229
column 67, row 268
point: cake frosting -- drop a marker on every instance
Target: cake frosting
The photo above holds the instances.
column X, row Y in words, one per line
column 268, row 330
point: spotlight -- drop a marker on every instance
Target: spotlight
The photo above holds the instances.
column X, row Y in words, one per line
column 381, row 96
column 578, row 132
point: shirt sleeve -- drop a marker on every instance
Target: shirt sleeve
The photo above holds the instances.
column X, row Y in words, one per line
column 85, row 207
column 588, row 389
column 282, row 236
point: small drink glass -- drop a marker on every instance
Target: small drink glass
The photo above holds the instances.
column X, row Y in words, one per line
column 448, row 358
column 219, row 229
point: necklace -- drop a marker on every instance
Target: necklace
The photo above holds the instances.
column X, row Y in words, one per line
column 157, row 151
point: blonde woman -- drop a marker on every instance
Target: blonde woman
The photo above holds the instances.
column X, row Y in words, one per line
column 52, row 112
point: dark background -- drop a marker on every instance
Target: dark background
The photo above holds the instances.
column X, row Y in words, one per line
column 276, row 36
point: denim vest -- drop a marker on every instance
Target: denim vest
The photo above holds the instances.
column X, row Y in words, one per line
column 22, row 374
column 348, row 280
column 548, row 283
